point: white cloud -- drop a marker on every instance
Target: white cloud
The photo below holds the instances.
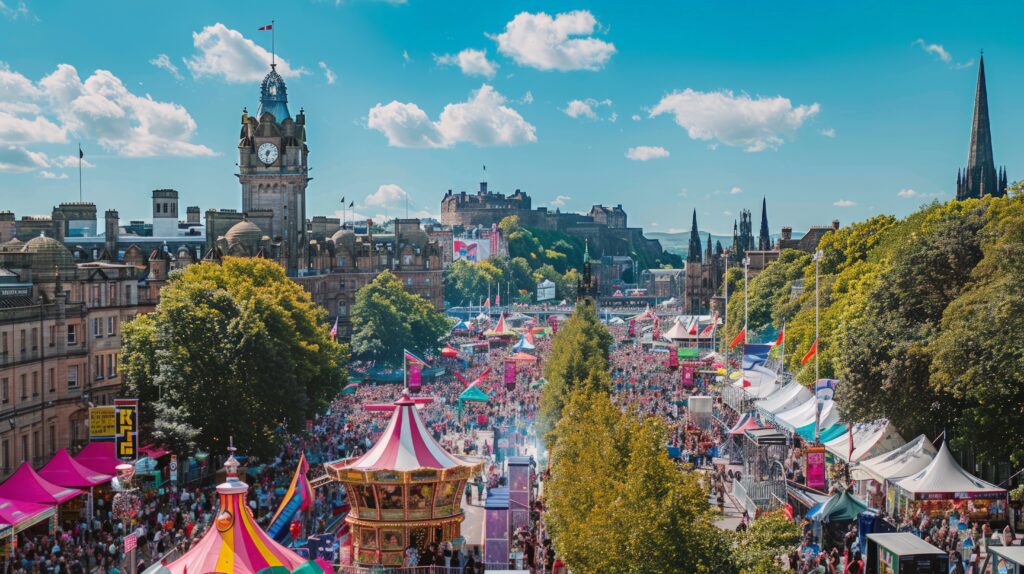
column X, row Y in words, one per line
column 471, row 62
column 908, row 193
column 226, row 53
column 935, row 49
column 828, row 132
column 559, row 201
column 527, row 97
column 164, row 63
column 844, row 203
column 100, row 109
column 328, row 73
column 614, row 116
column 45, row 174
column 405, row 57
column 676, row 230
column 735, row 190
column 545, row 43
column 16, row 159
column 13, row 12
column 483, row 120
column 727, row 212
column 71, row 161
column 635, row 117
column 587, row 108
column 646, row 152
column 755, row 124
column 389, row 194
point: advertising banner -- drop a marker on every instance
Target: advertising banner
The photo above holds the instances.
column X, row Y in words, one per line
column 415, row 376
column 510, row 374
column 687, row 376
column 126, row 423
column 815, row 471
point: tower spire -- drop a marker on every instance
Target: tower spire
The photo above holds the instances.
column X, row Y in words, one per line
column 693, row 253
column 764, row 240
column 980, row 177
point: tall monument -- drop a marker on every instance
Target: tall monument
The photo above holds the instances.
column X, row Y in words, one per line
column 273, row 170
column 980, row 177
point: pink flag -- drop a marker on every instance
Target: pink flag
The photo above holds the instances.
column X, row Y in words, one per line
column 334, row 329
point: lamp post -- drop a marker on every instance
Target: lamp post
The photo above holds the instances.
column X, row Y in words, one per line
column 746, row 292
column 42, row 373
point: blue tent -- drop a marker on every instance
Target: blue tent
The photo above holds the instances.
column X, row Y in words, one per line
column 827, row 433
column 523, row 345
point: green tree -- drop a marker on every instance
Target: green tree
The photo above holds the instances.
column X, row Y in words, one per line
column 235, row 349
column 386, row 319
column 757, row 549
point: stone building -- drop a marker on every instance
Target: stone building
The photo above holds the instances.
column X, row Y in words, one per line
column 703, row 274
column 60, row 325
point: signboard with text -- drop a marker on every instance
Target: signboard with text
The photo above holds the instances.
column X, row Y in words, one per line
column 126, row 429
column 101, row 424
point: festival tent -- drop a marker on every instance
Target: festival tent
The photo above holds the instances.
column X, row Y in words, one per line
column 746, row 422
column 677, row 331
column 26, row 485
column 524, row 345
column 896, row 464
column 461, row 326
column 500, row 329
column 448, row 352
column 21, row 515
column 482, row 318
column 944, row 479
column 804, row 413
column 63, row 470
column 669, row 302
column 524, row 358
column 235, row 543
column 99, row 456
column 869, row 439
column 616, row 321
column 762, row 382
column 785, row 398
column 826, row 434
column 841, row 507
column 472, row 394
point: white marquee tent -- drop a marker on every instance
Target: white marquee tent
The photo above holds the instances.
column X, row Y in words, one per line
column 896, row 464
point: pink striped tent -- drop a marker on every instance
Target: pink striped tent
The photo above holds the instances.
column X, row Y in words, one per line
column 406, row 445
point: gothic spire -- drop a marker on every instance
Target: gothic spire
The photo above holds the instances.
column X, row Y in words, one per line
column 764, row 239
column 980, row 177
column 693, row 252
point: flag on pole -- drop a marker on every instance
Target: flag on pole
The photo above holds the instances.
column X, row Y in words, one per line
column 350, row 389
column 267, row 27
column 351, row 204
column 334, row 329
column 130, row 542
column 81, row 154
column 497, row 298
column 410, row 358
column 810, row 353
column 487, row 303
column 746, row 382
column 781, row 337
column 740, row 337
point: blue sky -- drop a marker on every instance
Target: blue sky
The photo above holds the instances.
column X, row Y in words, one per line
column 831, row 110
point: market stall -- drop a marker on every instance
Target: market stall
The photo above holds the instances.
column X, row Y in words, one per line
column 869, row 439
column 804, row 414
column 833, row 518
column 943, row 486
column 99, row 456
column 787, row 397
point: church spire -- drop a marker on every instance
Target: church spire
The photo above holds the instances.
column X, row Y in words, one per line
column 693, row 254
column 764, row 239
column 980, row 177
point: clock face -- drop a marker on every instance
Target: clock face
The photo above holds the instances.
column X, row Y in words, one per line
column 267, row 153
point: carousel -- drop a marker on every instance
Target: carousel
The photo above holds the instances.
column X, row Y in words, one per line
column 405, row 491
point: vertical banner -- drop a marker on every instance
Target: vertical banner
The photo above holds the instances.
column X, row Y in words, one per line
column 632, row 327
column 687, row 377
column 414, row 377
column 126, row 429
column 553, row 322
column 510, row 375
column 656, row 332
column 172, row 469
column 815, row 467
column 673, row 357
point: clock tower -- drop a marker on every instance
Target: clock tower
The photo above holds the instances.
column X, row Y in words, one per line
column 273, row 171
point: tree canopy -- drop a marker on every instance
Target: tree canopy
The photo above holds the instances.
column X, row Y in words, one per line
column 235, row 349
column 387, row 319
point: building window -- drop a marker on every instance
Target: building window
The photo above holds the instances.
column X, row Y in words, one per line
column 35, row 337
column 5, row 392
column 127, row 294
column 72, row 334
column 53, row 335
column 341, row 261
column 407, row 259
column 37, row 447
column 3, row 346
column 7, row 455
column 99, row 367
column 53, row 439
column 72, row 376
column 111, row 371
column 24, row 447
column 24, row 388
column 110, row 326
column 35, row 383
column 53, row 381
column 97, row 328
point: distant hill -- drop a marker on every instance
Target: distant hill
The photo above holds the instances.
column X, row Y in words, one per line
column 679, row 243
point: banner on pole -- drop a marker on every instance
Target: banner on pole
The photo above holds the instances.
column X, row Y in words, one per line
column 510, row 374
column 687, row 376
column 815, row 467
column 415, row 377
column 126, row 423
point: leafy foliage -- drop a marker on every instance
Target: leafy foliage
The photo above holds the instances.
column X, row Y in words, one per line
column 757, row 548
column 387, row 319
column 235, row 349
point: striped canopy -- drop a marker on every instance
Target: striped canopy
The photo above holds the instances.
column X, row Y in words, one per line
column 406, row 445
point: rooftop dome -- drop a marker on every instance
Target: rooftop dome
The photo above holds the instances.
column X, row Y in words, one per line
column 12, row 245
column 274, row 96
column 343, row 236
column 48, row 252
column 244, row 231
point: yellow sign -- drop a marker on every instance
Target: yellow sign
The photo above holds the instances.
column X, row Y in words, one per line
column 126, row 428
column 101, row 423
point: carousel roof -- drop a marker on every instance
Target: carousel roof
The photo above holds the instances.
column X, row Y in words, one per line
column 234, row 542
column 406, row 445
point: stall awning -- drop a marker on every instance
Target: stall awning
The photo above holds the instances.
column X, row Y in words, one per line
column 804, row 414
column 63, row 470
column 153, row 451
column 473, row 393
column 25, row 485
column 827, row 433
column 896, row 464
column 99, row 456
column 944, row 479
column 21, row 515
column 787, row 397
column 841, row 507
column 869, row 439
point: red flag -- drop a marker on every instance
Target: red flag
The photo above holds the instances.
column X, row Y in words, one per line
column 781, row 337
column 810, row 353
column 267, row 27
column 740, row 337
column 487, row 303
column 334, row 329
column 746, row 383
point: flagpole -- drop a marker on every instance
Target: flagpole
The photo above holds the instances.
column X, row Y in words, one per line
column 273, row 48
column 79, row 172
column 746, row 291
column 817, row 411
column 405, row 370
column 726, row 319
